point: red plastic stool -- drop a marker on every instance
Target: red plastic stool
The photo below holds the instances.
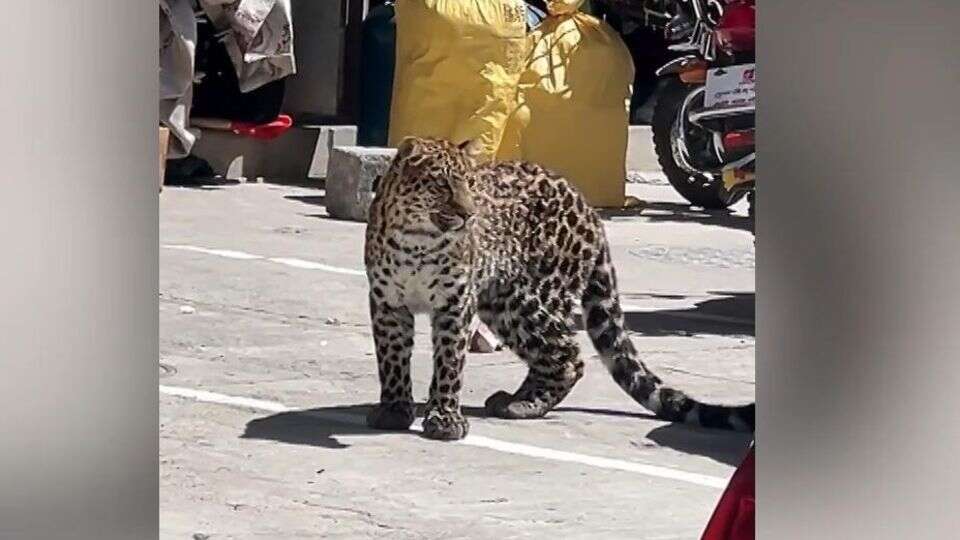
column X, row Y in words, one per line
column 733, row 519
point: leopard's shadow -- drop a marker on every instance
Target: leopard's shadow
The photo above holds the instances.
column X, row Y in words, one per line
column 323, row 426
column 722, row 446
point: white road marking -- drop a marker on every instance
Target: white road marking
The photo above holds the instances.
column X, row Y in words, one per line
column 295, row 263
column 310, row 265
column 230, row 254
column 223, row 399
column 594, row 461
column 471, row 440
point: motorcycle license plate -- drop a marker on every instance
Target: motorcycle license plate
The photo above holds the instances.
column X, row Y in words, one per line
column 731, row 86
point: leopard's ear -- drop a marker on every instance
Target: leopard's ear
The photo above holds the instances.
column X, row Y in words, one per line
column 407, row 145
column 473, row 148
column 412, row 151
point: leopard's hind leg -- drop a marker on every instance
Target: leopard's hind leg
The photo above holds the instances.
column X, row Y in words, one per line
column 541, row 335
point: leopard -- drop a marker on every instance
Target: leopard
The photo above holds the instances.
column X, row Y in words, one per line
column 454, row 235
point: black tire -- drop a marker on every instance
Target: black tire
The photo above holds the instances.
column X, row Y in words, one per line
column 698, row 189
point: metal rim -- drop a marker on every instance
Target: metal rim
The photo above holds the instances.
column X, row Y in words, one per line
column 680, row 143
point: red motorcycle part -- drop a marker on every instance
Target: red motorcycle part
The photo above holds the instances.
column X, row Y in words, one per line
column 738, row 140
column 737, row 29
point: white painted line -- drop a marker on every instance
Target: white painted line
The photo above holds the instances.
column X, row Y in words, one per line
column 230, row 254
column 601, row 462
column 295, row 263
column 310, row 265
column 471, row 440
column 223, row 399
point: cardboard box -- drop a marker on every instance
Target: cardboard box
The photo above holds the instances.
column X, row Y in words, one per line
column 164, row 144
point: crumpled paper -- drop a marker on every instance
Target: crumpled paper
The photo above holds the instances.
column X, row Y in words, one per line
column 258, row 36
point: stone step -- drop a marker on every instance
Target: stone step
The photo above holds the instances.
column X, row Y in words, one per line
column 301, row 153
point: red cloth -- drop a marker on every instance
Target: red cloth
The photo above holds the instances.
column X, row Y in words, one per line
column 733, row 519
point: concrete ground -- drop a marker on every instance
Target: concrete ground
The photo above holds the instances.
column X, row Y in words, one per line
column 267, row 369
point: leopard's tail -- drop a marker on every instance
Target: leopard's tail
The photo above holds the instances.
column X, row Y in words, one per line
column 604, row 322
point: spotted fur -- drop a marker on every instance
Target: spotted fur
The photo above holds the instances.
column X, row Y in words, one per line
column 518, row 246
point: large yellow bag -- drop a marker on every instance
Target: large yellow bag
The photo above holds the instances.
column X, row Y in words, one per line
column 577, row 94
column 457, row 71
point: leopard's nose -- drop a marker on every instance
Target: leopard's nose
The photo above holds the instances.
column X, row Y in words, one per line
column 462, row 206
column 447, row 222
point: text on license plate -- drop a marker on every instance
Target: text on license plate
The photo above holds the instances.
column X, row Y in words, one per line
column 733, row 85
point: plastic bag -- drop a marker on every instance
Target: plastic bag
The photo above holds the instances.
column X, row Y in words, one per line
column 576, row 92
column 457, row 71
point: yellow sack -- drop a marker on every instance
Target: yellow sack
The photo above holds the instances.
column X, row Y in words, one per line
column 457, row 71
column 577, row 93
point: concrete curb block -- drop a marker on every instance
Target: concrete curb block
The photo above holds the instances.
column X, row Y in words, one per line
column 350, row 176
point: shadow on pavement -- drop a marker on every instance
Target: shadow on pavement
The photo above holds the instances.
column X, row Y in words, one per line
column 311, row 427
column 682, row 213
column 201, row 184
column 731, row 314
column 717, row 444
column 723, row 446
column 321, row 427
column 606, row 412
column 308, row 183
column 319, row 200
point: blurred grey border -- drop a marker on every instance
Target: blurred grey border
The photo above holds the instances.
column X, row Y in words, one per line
column 858, row 260
column 78, row 272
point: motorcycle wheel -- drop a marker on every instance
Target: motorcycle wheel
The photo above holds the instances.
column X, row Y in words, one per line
column 697, row 188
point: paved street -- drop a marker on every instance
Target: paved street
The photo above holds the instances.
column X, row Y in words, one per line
column 267, row 370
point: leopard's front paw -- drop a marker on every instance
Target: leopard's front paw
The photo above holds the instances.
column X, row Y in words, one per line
column 397, row 415
column 445, row 426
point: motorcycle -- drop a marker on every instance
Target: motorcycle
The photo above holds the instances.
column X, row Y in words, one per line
column 704, row 113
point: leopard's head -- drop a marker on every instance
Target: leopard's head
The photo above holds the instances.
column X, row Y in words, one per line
column 429, row 182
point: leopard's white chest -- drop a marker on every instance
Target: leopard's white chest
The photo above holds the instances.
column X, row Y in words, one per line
column 420, row 269
column 416, row 288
